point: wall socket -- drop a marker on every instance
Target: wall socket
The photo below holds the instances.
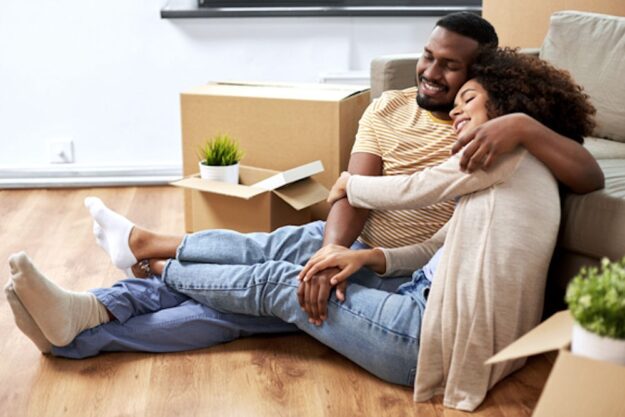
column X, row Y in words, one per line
column 61, row 151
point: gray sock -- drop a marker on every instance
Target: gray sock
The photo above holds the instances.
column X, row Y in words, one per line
column 60, row 314
column 25, row 321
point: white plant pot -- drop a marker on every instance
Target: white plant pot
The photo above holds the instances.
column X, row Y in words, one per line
column 229, row 173
column 591, row 345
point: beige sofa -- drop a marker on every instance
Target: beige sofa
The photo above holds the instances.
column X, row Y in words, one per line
column 591, row 47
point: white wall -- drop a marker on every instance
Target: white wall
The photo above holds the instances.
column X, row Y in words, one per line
column 107, row 74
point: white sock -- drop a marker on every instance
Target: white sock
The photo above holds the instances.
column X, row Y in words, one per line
column 25, row 321
column 61, row 315
column 112, row 231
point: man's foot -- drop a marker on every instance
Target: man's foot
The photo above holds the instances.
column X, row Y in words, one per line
column 25, row 321
column 112, row 232
column 61, row 315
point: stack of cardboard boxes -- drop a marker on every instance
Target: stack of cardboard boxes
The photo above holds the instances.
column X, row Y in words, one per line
column 279, row 127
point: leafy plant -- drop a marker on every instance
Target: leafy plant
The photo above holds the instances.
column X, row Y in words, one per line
column 221, row 150
column 596, row 298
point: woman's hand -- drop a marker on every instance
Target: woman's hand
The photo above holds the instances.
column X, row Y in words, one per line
column 339, row 189
column 334, row 256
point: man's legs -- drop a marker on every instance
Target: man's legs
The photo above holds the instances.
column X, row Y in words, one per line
column 152, row 317
column 376, row 329
column 187, row 326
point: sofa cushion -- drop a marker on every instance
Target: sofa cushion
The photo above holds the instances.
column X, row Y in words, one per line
column 594, row 224
column 605, row 149
column 592, row 46
column 393, row 72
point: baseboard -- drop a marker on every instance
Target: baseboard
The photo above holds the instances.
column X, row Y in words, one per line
column 74, row 175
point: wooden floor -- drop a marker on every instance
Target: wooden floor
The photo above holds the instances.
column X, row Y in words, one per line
column 261, row 376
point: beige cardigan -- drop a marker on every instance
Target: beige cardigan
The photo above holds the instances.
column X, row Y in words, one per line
column 489, row 285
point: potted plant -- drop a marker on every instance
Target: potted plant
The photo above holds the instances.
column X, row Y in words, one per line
column 219, row 159
column 596, row 299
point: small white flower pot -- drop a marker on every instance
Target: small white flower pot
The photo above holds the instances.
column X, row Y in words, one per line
column 591, row 345
column 229, row 173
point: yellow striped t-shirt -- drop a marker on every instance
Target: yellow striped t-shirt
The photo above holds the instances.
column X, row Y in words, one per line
column 408, row 139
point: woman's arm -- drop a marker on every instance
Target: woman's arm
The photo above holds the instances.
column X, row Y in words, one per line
column 405, row 260
column 385, row 262
column 432, row 185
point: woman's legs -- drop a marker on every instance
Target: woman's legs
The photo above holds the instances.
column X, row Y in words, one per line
column 127, row 243
column 376, row 329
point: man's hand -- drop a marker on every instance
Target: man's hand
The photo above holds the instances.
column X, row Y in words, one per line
column 571, row 163
column 313, row 295
column 339, row 189
column 483, row 145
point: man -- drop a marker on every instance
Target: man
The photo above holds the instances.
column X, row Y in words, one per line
column 401, row 132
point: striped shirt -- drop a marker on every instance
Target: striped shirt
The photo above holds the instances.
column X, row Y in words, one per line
column 408, row 139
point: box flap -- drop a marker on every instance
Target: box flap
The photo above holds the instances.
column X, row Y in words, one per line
column 303, row 193
column 314, row 92
column 582, row 387
column 552, row 334
column 218, row 187
column 290, row 176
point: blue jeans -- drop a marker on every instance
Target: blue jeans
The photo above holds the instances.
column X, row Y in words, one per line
column 377, row 329
column 152, row 317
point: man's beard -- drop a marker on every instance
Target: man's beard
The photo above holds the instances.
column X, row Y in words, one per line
column 426, row 103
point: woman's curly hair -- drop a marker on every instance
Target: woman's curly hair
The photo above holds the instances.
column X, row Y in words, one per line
column 517, row 82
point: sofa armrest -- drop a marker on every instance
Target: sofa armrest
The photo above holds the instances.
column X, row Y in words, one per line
column 393, row 72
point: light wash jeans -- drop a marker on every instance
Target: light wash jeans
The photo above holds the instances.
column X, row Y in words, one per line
column 152, row 317
column 377, row 329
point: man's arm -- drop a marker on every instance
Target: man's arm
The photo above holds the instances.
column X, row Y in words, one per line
column 345, row 222
column 568, row 161
column 343, row 226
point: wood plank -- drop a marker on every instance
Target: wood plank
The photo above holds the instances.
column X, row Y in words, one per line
column 290, row 375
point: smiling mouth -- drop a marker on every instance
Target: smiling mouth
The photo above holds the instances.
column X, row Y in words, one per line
column 429, row 88
column 460, row 124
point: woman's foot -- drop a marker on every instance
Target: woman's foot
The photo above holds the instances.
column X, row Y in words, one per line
column 25, row 321
column 112, row 232
column 61, row 315
column 126, row 243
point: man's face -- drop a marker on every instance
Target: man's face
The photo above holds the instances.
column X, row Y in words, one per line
column 442, row 69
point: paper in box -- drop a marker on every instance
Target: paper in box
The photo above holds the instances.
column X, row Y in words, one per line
column 277, row 125
column 263, row 201
column 577, row 386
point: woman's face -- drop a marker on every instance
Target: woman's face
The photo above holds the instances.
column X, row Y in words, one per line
column 469, row 107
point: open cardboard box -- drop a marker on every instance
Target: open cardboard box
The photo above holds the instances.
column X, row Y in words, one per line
column 262, row 201
column 278, row 126
column 577, row 386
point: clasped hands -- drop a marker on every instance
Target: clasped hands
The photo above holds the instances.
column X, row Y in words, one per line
column 329, row 267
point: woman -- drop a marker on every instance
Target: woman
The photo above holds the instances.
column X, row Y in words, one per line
column 487, row 242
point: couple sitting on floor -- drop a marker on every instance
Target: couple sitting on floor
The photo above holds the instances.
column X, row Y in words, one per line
column 470, row 236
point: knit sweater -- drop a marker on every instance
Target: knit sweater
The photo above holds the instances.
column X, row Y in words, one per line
column 489, row 285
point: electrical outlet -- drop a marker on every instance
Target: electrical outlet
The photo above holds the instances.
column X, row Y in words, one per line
column 61, row 151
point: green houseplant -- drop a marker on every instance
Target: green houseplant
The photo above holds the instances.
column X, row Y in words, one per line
column 219, row 159
column 596, row 299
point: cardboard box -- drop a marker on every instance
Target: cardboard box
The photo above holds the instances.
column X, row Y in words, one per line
column 263, row 201
column 277, row 125
column 577, row 386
